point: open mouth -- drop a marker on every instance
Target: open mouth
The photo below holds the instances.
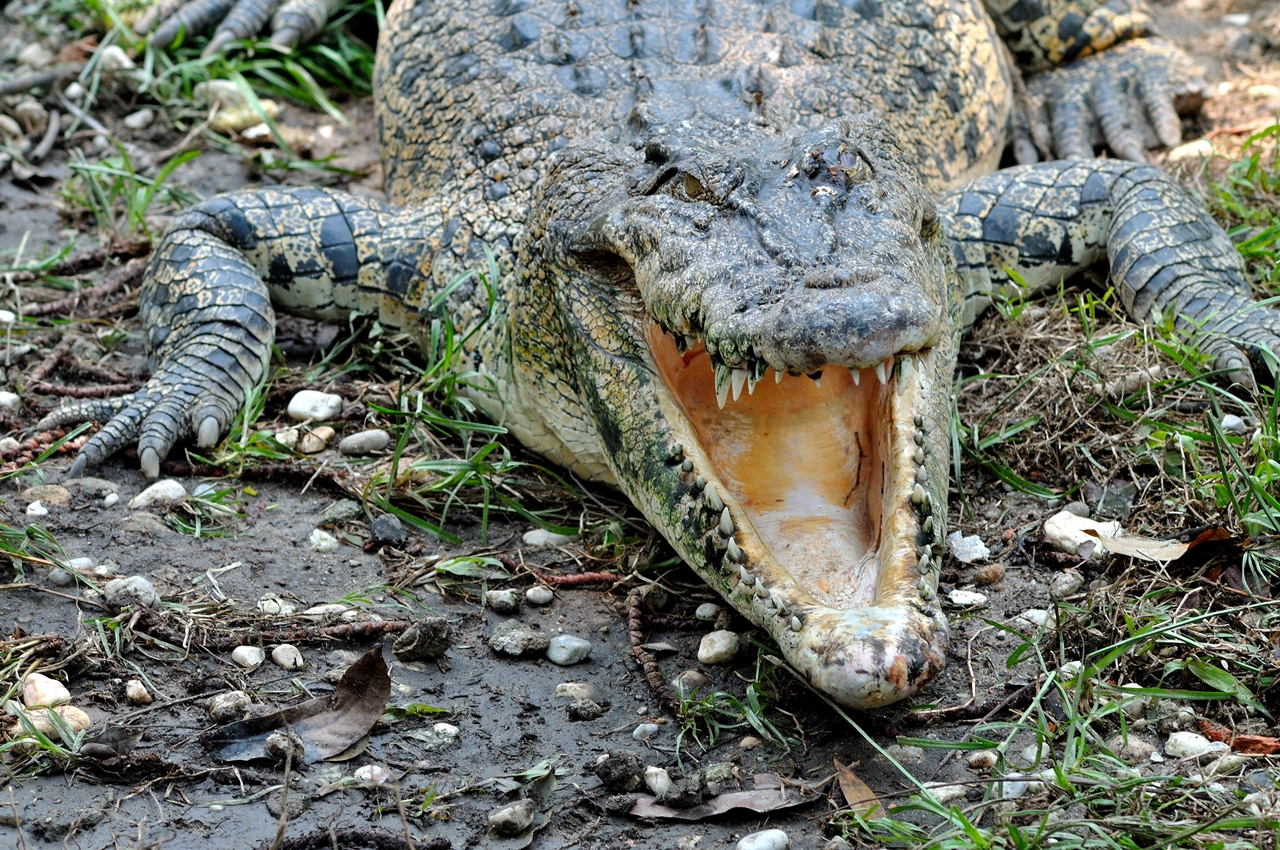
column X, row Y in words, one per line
column 809, row 462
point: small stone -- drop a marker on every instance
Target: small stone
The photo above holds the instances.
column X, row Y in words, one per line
column 539, row 596
column 1227, row 763
column 9, row 444
column 442, row 735
column 660, row 648
column 387, row 530
column 427, row 639
column 343, row 510
column 58, row 577
column 1036, row 618
column 945, row 792
column 139, row 120
column 837, row 843
column 585, row 709
column 1198, row 149
column 515, row 638
column 74, row 717
column 621, row 771
column 768, row 839
column 35, row 55
column 274, row 606
column 690, row 682
column 1067, row 532
column 657, row 780
column 905, row 755
column 684, row 793
column 49, row 495
column 310, row 405
column 987, row 575
column 1032, row 755
column 707, row 611
column 163, row 491
column 1232, row 424
column 364, row 443
column 80, row 564
column 372, row 774
column 322, row 542
column 513, row 818
column 567, row 650
column 1134, row 750
column 749, row 742
column 288, row 437
column 1186, row 745
column 287, row 657
column 218, row 93
column 12, row 402
column 136, row 692
column 982, row 761
column 1012, row 787
column 718, row 647
column 502, row 601
column 248, row 657
column 74, row 92
column 110, row 500
column 311, row 443
column 967, row 598
column 967, row 550
column 325, row 610
column 645, row 731
column 1264, row 91
column 1066, row 583
column 37, row 510
column 134, row 590
column 113, row 58
column 227, row 707
column 292, row 801
column 540, row 538
column 580, row 690
column 38, row 690
column 282, row 744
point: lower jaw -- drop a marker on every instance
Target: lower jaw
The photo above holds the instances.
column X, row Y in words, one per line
column 850, row 604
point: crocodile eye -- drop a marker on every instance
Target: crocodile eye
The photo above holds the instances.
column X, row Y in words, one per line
column 693, row 186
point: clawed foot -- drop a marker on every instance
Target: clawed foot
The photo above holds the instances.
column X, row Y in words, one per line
column 1128, row 98
column 292, row 21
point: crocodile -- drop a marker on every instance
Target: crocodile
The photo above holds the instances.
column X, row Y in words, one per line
column 734, row 245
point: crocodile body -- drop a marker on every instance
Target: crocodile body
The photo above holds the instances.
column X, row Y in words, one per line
column 736, row 243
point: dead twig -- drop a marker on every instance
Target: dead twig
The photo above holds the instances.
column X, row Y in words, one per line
column 82, row 262
column 42, row 150
column 127, row 275
column 575, row 579
column 652, row 675
column 155, row 625
column 46, row 366
column 103, row 391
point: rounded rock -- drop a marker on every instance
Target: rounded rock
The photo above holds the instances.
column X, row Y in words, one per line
column 161, row 492
column 540, row 538
column 718, row 647
column 11, row 402
column 657, row 780
column 133, row 590
column 49, row 495
column 1234, row 425
column 982, row 760
column 113, row 58
column 429, row 638
column 248, row 657
column 311, row 443
column 282, row 744
column 58, row 577
column 567, row 650
column 372, row 774
column 287, row 657
column 767, row 839
column 136, row 692
column 35, row 510
column 364, row 442
column 387, row 530
column 323, row 542
column 1185, row 745
column 274, row 606
column 140, row 120
column 621, row 771
column 39, row 690
column 539, row 596
column 690, row 682
column 502, row 601
column 327, row 609
column 515, row 638
column 110, row 500
column 645, row 731
column 580, row 690
column 227, row 707
column 513, row 818
column 1065, row 584
column 708, row 611
column 308, row 405
column 967, row 598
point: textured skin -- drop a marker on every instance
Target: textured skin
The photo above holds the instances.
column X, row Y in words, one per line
column 656, row 178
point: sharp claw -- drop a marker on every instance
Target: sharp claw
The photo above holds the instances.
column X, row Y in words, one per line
column 149, row 459
column 208, row 433
column 77, row 468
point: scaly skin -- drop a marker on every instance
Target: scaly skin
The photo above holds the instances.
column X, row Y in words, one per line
column 682, row 201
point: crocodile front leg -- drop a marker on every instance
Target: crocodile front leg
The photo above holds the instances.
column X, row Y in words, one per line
column 206, row 304
column 1166, row 254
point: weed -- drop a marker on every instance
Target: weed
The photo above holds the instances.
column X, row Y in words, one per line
column 118, row 197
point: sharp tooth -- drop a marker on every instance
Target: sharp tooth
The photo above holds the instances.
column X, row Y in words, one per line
column 917, row 494
column 739, row 377
column 731, row 550
column 722, row 385
column 904, row 372
column 881, row 371
column 751, row 382
column 726, row 523
column 857, row 376
column 686, row 465
column 796, row 625
column 713, row 498
column 777, row 376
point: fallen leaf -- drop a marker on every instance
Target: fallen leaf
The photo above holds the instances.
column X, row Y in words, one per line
column 327, row 725
column 768, row 795
column 1151, row 549
column 857, row 795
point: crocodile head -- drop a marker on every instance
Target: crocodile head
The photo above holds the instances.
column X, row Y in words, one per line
column 765, row 335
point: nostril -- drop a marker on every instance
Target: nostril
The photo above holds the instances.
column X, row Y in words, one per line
column 840, row 277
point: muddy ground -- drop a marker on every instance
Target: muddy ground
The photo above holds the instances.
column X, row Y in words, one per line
column 509, row 718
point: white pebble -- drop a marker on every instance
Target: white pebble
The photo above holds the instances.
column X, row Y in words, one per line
column 512, row 819
column 502, row 601
column 328, row 609
column 11, row 402
column 645, row 731
column 80, row 564
column 707, row 611
column 1065, row 584
column 442, row 734
column 311, row 405
column 110, row 500
column 967, row 598
column 945, row 792
column 364, row 442
column 539, row 596
column 74, row 92
column 540, row 538
column 1013, row 786
column 567, row 650
column 982, row 760
column 1029, row 755
column 373, row 774
column 1234, row 425
column 247, row 657
column 287, row 657
column 167, row 490
column 769, row 839
column 140, row 120
column 1035, row 618
column 657, row 779
column 113, row 58
column 133, row 590
column 1183, row 745
column 273, row 605
column 288, row 437
column 35, row 55
column 9, row 444
column 1066, row 531
column 58, row 577
column 136, row 692
column 718, row 647
column 323, row 542
column 35, row 509
column 967, row 550
column 222, row 92
column 38, row 689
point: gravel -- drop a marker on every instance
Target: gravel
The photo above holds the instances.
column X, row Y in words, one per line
column 539, row 596
column 364, row 442
column 161, row 492
column 567, row 650
column 767, row 839
column 134, row 590
column 310, row 405
column 718, row 647
column 515, row 638
column 387, row 530
column 502, row 601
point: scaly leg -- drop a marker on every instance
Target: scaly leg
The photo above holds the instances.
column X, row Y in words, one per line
column 208, row 313
column 1166, row 254
column 293, row 22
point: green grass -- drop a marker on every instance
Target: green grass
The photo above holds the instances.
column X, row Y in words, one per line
column 118, row 197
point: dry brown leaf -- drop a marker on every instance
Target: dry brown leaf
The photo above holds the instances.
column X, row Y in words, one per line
column 858, row 796
column 1151, row 549
column 768, row 795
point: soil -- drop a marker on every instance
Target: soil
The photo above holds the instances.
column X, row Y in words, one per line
column 169, row 792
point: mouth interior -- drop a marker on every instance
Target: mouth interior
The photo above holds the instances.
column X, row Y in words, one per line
column 807, row 460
